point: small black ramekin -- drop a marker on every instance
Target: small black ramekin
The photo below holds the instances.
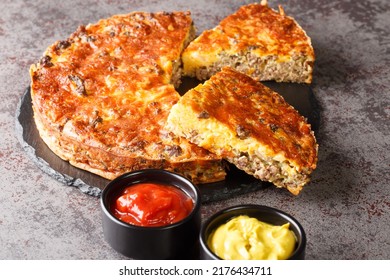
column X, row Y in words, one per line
column 175, row 241
column 263, row 213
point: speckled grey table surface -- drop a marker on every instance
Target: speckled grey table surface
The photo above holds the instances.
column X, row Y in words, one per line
column 344, row 210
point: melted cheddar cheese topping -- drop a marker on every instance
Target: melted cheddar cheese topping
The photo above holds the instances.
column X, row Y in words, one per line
column 104, row 94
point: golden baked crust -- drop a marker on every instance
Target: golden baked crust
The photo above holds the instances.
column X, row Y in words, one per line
column 251, row 126
column 101, row 98
column 257, row 41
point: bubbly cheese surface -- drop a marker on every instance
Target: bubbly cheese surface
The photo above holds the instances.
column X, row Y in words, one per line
column 105, row 92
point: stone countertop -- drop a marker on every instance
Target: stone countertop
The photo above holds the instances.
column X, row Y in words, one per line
column 344, row 210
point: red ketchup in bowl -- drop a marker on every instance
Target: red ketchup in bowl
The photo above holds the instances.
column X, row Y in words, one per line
column 152, row 205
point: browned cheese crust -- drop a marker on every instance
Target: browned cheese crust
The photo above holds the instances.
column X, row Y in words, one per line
column 256, row 40
column 101, row 98
column 251, row 126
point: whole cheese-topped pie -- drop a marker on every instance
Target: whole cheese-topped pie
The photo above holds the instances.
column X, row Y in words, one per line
column 255, row 40
column 101, row 98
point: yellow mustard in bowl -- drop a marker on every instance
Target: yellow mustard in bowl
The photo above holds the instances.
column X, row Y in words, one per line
column 246, row 238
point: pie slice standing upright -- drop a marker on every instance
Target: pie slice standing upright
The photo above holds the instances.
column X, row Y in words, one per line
column 257, row 41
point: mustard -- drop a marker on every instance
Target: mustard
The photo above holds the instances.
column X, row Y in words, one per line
column 245, row 238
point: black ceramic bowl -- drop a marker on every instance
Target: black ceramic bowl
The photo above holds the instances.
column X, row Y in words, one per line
column 175, row 241
column 263, row 213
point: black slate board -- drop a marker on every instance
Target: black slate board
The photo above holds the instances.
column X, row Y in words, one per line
column 237, row 182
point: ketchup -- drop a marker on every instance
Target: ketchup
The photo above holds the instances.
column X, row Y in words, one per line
column 152, row 205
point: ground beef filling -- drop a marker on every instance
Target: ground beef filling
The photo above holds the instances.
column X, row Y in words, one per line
column 270, row 170
column 297, row 69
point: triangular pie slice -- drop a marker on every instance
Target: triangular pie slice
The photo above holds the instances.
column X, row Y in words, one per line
column 101, row 98
column 255, row 40
column 251, row 126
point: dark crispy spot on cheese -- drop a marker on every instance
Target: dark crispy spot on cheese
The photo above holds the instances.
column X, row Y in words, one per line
column 97, row 120
column 90, row 38
column 155, row 107
column 174, row 150
column 242, row 133
column 46, row 61
column 141, row 144
column 252, row 47
column 273, row 127
column 165, row 13
column 203, row 115
column 62, row 45
column 78, row 84
column 112, row 67
column 81, row 31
